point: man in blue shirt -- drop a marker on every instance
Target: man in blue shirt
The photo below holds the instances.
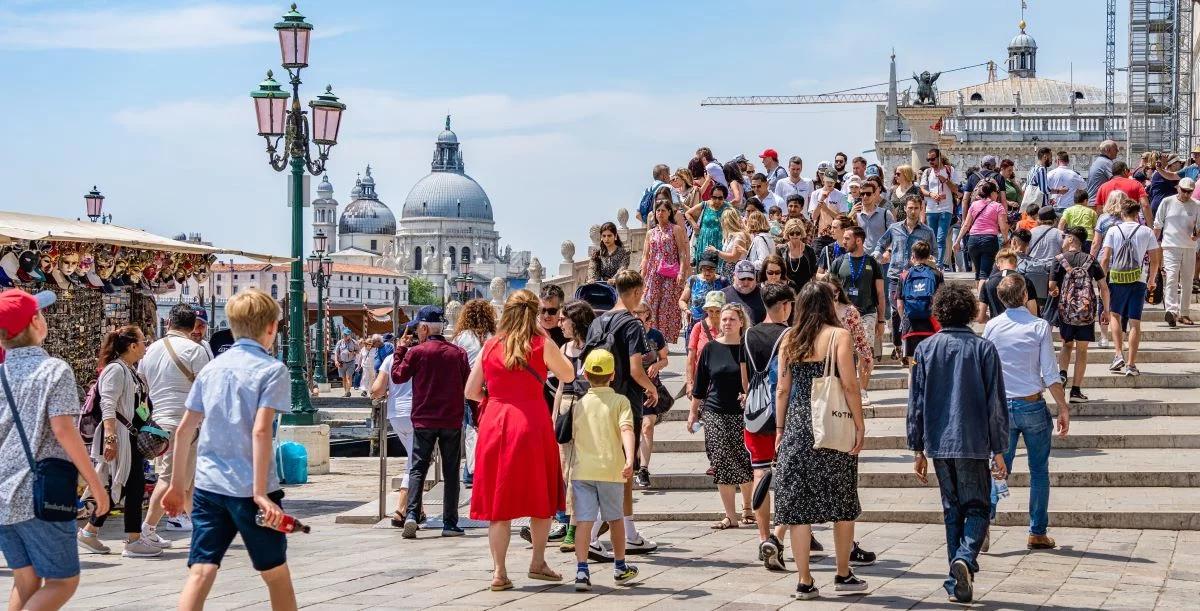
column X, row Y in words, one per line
column 893, row 249
column 234, row 400
column 1026, row 351
column 957, row 417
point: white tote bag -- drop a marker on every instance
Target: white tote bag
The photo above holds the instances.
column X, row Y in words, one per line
column 832, row 421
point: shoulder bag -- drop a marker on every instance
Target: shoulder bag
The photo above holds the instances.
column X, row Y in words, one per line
column 54, row 479
column 832, row 421
column 184, row 369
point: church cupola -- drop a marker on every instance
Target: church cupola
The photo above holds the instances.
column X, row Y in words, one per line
column 447, row 157
column 1022, row 55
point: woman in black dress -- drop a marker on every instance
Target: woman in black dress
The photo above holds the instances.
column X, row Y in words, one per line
column 721, row 383
column 814, row 486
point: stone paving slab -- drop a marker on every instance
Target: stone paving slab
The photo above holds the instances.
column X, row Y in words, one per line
column 1097, row 376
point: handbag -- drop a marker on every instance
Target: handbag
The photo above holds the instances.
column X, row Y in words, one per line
column 668, row 270
column 54, row 480
column 832, row 421
column 564, row 423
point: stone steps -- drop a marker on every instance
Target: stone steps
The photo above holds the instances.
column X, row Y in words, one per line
column 1068, row 468
column 1090, row 507
column 1097, row 376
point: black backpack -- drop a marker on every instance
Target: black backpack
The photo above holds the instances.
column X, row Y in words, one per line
column 603, row 335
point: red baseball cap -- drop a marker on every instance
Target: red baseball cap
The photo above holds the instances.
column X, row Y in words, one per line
column 18, row 308
column 769, row 153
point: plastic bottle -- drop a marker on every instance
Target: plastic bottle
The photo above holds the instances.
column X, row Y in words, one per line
column 696, row 427
column 999, row 486
column 287, row 525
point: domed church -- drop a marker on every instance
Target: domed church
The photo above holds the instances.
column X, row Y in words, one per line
column 446, row 232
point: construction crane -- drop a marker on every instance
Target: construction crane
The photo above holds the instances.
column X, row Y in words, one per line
column 834, row 97
column 1110, row 68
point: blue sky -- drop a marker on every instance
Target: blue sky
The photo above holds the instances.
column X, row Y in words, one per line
column 562, row 107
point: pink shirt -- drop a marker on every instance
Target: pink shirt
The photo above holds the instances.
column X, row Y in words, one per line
column 987, row 217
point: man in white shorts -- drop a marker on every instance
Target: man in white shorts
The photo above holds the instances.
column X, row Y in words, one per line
column 169, row 367
column 399, row 413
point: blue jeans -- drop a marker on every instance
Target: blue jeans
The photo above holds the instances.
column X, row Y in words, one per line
column 48, row 547
column 1031, row 419
column 964, row 483
column 939, row 222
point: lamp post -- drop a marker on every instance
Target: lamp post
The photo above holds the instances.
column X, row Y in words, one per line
column 320, row 268
column 275, row 122
column 95, row 206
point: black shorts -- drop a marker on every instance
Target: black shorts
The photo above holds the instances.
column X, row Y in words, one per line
column 1080, row 333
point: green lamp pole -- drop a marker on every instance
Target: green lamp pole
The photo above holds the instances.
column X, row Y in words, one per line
column 276, row 121
column 320, row 268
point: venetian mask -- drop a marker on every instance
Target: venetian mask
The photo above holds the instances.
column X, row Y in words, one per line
column 46, row 263
column 87, row 263
column 68, row 263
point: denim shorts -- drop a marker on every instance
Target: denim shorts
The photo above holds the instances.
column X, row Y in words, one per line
column 605, row 499
column 217, row 518
column 49, row 547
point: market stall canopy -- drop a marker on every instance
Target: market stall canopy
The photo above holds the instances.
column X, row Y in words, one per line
column 360, row 319
column 16, row 226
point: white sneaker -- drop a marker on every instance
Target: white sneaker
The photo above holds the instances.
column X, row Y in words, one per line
column 179, row 523
column 140, row 549
column 866, row 399
column 1102, row 342
column 150, row 535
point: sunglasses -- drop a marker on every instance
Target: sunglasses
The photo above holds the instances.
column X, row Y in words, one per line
column 1185, row 190
column 549, row 311
column 795, row 234
column 774, row 272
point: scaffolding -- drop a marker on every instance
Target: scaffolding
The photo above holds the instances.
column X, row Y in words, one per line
column 1160, row 68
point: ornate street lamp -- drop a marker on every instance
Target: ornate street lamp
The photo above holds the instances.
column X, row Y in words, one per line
column 319, row 274
column 277, row 121
column 95, row 206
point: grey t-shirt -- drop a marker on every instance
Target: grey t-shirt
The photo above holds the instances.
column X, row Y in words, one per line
column 1045, row 242
column 43, row 387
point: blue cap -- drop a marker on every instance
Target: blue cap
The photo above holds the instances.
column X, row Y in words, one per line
column 430, row 314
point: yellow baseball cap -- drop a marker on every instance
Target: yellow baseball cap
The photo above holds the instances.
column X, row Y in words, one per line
column 599, row 362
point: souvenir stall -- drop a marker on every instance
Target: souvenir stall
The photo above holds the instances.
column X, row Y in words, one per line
column 105, row 276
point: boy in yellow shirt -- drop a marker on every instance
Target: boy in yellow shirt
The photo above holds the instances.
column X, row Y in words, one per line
column 602, row 432
column 1080, row 214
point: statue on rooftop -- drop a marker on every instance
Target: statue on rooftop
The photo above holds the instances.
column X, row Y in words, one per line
column 926, row 92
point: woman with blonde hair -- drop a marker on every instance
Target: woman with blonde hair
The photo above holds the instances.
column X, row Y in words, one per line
column 721, row 382
column 735, row 245
column 762, row 243
column 517, row 471
column 905, row 181
column 799, row 259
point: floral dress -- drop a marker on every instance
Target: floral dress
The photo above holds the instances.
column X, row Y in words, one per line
column 709, row 233
column 811, row 486
column 662, row 293
column 852, row 322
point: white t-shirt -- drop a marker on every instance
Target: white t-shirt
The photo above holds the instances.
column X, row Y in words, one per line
column 772, row 200
column 169, row 387
column 929, row 181
column 1061, row 177
column 785, row 187
column 471, row 344
column 718, row 175
column 1179, row 221
column 836, row 200
column 399, row 396
column 1143, row 240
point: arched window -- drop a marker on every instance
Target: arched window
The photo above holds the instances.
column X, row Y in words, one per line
column 417, row 259
column 976, row 97
column 466, row 254
column 1078, row 95
column 274, row 291
column 453, row 260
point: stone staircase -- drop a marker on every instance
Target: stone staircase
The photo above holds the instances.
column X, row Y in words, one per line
column 1132, row 459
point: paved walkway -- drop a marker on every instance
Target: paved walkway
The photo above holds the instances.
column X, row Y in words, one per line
column 353, row 567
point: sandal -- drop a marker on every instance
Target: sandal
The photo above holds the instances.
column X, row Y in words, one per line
column 506, row 584
column 1184, row 320
column 398, row 519
column 546, row 574
column 724, row 524
column 748, row 518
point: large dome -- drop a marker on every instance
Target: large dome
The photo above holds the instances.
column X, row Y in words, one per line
column 367, row 216
column 447, row 194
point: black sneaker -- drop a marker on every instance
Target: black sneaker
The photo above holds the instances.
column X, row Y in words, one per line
column 629, row 574
column 642, row 478
column 964, row 589
column 452, row 531
column 771, row 554
column 815, row 546
column 597, row 552
column 558, row 530
column 583, row 581
column 1077, row 396
column 806, row 591
column 861, row 557
column 849, row 583
column 526, row 534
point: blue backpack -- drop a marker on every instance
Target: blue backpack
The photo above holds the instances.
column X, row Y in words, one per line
column 917, row 292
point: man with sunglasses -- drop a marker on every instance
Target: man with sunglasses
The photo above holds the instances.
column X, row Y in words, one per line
column 868, row 214
column 938, row 185
column 1177, row 225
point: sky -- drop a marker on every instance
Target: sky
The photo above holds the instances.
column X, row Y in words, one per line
column 562, row 107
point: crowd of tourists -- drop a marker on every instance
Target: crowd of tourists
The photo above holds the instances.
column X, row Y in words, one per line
column 780, row 287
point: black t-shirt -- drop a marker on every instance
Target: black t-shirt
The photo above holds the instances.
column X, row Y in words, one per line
column 719, row 377
column 860, row 289
column 655, row 341
column 629, row 338
column 221, row 341
column 752, row 302
column 987, row 293
column 799, row 271
column 760, row 339
column 1075, row 259
column 557, row 336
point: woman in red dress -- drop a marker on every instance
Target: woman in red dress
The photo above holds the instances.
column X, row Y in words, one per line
column 517, row 470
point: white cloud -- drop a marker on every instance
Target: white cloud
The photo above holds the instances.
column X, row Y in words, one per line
column 202, row 26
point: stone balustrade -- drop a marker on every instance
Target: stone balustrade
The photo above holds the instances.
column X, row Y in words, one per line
column 572, row 274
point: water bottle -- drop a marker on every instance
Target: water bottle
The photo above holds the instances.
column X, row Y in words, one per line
column 999, row 486
column 696, row 427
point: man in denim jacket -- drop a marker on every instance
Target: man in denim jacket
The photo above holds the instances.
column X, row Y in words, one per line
column 958, row 417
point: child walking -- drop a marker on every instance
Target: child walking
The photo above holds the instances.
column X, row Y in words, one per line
column 602, row 432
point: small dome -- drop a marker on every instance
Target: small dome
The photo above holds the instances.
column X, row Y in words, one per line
column 369, row 180
column 447, row 136
column 325, row 189
column 1022, row 40
column 367, row 216
column 447, row 195
column 357, row 190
